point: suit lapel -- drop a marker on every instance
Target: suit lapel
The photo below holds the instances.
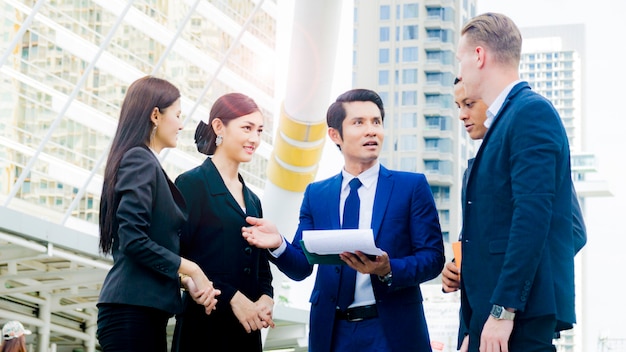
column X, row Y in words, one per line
column 381, row 199
column 496, row 121
column 216, row 185
column 331, row 198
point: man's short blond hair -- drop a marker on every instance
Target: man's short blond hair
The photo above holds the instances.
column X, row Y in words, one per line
column 497, row 33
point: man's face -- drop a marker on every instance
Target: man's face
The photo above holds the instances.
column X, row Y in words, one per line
column 363, row 134
column 468, row 67
column 472, row 113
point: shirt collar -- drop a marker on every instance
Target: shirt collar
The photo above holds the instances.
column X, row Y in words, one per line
column 495, row 107
column 367, row 177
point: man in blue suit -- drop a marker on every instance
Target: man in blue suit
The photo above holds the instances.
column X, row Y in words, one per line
column 517, row 274
column 385, row 312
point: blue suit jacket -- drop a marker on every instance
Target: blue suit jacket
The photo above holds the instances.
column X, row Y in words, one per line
column 518, row 248
column 405, row 225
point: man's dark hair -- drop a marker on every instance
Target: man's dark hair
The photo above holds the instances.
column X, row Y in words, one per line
column 456, row 80
column 337, row 113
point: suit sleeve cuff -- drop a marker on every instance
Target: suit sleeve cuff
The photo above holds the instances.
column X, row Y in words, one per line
column 280, row 250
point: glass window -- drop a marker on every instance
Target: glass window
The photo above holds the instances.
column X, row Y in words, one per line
column 431, row 166
column 409, row 76
column 434, row 77
column 442, row 35
column 384, row 34
column 383, row 56
column 409, row 54
column 385, row 98
column 444, row 216
column 431, row 144
column 383, row 77
column 433, row 13
column 408, row 164
column 410, row 10
column 385, row 12
column 408, row 120
column 409, row 98
column 408, row 142
column 409, row 32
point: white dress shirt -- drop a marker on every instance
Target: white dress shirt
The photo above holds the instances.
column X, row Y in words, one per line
column 363, row 292
column 495, row 107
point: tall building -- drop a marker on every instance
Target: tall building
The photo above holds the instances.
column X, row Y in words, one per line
column 65, row 66
column 405, row 50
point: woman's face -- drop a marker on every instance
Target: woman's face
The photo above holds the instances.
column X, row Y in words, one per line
column 168, row 125
column 241, row 137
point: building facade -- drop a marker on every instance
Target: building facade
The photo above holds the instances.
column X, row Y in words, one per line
column 405, row 50
column 65, row 66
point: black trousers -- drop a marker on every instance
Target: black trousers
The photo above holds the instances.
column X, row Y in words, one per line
column 529, row 335
column 127, row 328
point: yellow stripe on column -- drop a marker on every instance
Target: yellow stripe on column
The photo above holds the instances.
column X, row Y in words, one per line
column 297, row 151
column 288, row 179
column 301, row 131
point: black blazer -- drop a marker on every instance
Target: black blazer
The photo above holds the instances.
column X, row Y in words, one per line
column 149, row 221
column 212, row 237
column 518, row 247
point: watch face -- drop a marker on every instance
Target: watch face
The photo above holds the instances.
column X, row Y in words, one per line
column 496, row 311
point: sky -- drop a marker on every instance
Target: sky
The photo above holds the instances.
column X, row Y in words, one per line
column 604, row 136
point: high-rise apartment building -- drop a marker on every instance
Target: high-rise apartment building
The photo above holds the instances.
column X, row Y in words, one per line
column 405, row 50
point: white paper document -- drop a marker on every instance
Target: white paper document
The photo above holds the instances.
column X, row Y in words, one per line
column 337, row 241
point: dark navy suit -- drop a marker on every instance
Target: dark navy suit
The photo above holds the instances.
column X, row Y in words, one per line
column 518, row 248
column 405, row 225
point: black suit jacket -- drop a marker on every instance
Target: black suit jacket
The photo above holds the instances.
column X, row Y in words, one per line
column 518, row 248
column 212, row 238
column 149, row 220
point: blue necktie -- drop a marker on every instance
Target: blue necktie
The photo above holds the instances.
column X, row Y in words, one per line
column 350, row 221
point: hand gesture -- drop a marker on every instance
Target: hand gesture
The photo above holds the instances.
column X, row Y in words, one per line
column 262, row 233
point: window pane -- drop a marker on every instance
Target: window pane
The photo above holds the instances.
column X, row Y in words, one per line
column 408, row 120
column 409, row 54
column 409, row 98
column 383, row 77
column 384, row 34
column 385, row 12
column 409, row 32
column 409, row 76
column 383, row 56
column 410, row 10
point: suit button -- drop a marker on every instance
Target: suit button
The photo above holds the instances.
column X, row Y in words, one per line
column 246, row 271
column 337, row 270
column 179, row 232
column 247, row 250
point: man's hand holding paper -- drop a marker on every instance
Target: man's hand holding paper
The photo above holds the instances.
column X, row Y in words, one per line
column 338, row 241
column 354, row 247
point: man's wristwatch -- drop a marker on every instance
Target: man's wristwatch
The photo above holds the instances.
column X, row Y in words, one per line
column 386, row 279
column 500, row 313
